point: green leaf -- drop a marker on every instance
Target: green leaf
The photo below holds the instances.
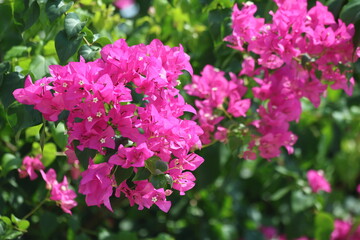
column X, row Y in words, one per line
column 59, row 135
column 73, row 25
column 150, row 164
column 89, row 35
column 169, row 180
column 89, row 53
column 23, row 225
column 84, row 155
column 65, row 48
column 301, row 201
column 62, row 116
column 13, row 234
column 32, row 15
column 15, row 52
column 123, row 174
column 141, row 174
column 6, row 220
column 350, row 13
column 161, row 165
column 218, row 4
column 22, row 116
column 356, row 37
column 55, row 8
column 39, row 67
column 33, row 131
column 48, row 153
column 324, row 225
column 14, row 219
column 284, row 171
column 9, row 162
column 159, row 181
column 335, row 6
column 10, row 33
column 11, row 82
column 164, row 236
column 216, row 19
column 102, row 41
column 280, row 193
column 4, row 68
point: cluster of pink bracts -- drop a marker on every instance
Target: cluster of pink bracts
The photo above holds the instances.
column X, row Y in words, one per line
column 297, row 55
column 129, row 95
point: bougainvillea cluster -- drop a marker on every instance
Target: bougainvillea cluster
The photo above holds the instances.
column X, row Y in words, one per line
column 297, row 55
column 125, row 106
column 218, row 95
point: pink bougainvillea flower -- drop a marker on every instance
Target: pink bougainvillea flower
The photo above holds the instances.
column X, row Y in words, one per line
column 131, row 157
column 65, row 196
column 341, row 230
column 268, row 232
column 97, row 184
column 28, row 167
column 215, row 91
column 59, row 192
column 145, row 195
column 345, row 229
column 317, row 181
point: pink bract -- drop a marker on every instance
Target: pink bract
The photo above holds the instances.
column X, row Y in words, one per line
column 59, row 192
column 28, row 167
column 317, row 181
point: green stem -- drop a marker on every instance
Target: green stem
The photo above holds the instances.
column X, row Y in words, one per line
column 35, row 209
column 208, row 145
column 86, row 41
column 224, row 111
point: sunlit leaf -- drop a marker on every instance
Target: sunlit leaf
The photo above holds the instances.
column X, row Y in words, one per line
column 73, row 25
column 65, row 47
column 55, row 8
